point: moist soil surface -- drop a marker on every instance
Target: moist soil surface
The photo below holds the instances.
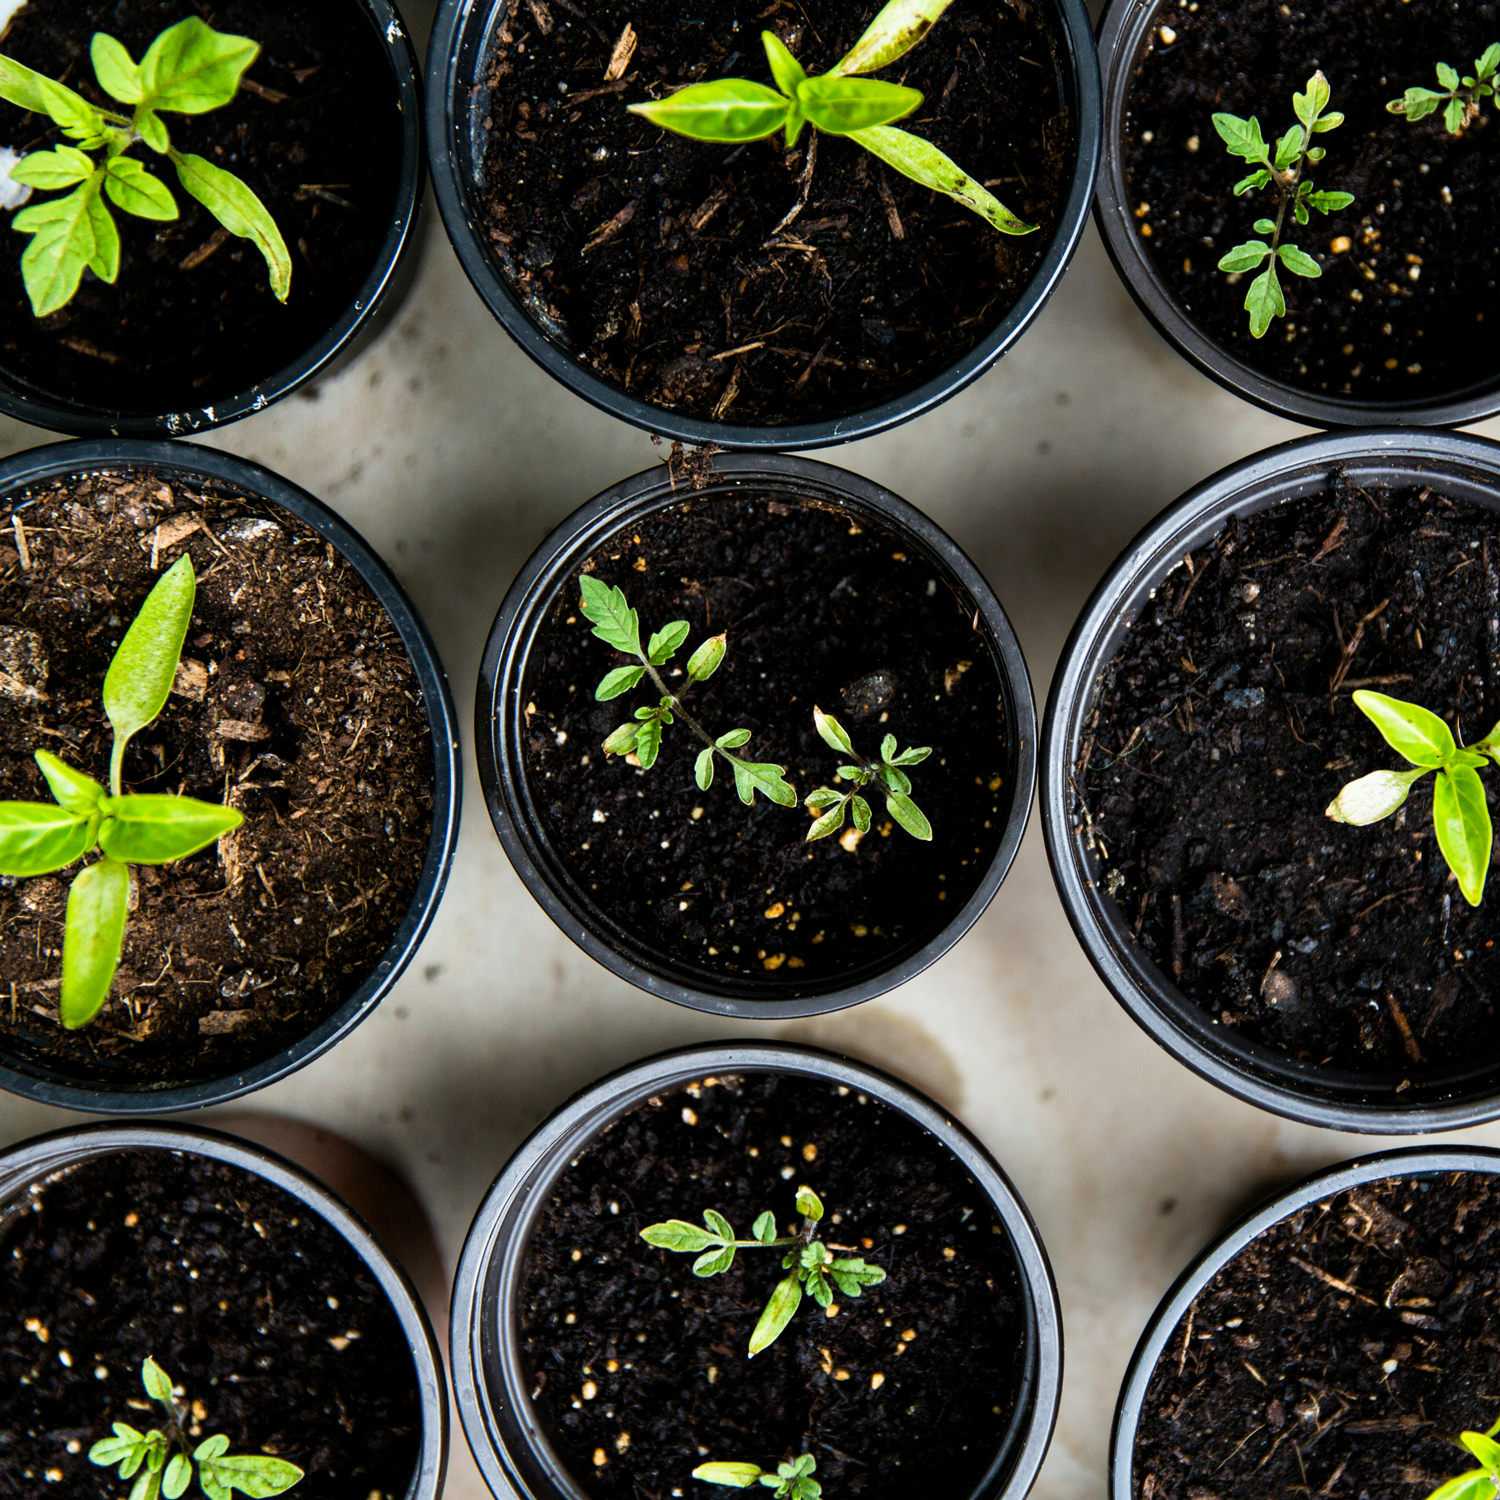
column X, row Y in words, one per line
column 820, row 609
column 296, row 703
column 1330, row 1356
column 1407, row 310
column 191, row 319
column 652, row 258
column 1225, row 726
column 264, row 1316
column 638, row 1368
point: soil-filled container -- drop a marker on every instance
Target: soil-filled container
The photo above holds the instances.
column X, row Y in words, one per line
column 589, row 1362
column 282, row 1324
column 324, row 128
column 669, row 281
column 1398, row 327
column 308, row 698
column 1336, row 1339
column 823, row 592
column 1202, row 722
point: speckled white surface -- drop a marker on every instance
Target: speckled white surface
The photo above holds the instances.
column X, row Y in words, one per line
column 454, row 456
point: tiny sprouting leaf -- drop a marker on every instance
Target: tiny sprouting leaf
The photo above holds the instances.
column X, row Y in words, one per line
column 1413, row 732
column 648, row 743
column 140, row 677
column 51, row 171
column 861, row 810
column 897, row 28
column 622, row 741
column 1461, row 820
column 191, row 69
column 158, row 1384
column 1243, row 138
column 831, row 732
column 239, row 211
column 614, row 622
column 764, row 1228
column 731, row 1476
column 68, row 236
column 842, row 105
column 1265, row 301
column 1299, row 262
column 809, row 1205
column 1371, row 798
column 1255, row 180
column 908, row 815
column 665, row 643
column 1265, row 226
column 157, row 830
column 726, row 109
column 830, row 822
column 705, row 661
column 1300, row 213
column 703, row 768
column 137, row 191
column 93, row 936
column 1245, row 257
column 621, row 680
column 37, row 838
column 922, row 162
column 788, row 73
column 779, row 1311
column 769, row 780
column 677, row 1234
column 178, row 1476
column 733, row 740
column 714, row 1262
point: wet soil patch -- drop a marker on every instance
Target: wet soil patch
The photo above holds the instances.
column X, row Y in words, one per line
column 296, row 702
column 1225, row 726
column 1331, row 1355
column 820, row 609
column 656, row 261
column 913, row 1383
column 316, row 133
column 274, row 1327
column 1407, row 311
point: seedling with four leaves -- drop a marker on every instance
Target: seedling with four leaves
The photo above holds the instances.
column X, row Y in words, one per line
column 1460, row 813
column 1482, row 1483
column 810, row 1265
column 1459, row 99
column 1283, row 174
column 190, row 69
column 163, row 1460
column 886, row 773
column 791, row 1481
column 38, row 838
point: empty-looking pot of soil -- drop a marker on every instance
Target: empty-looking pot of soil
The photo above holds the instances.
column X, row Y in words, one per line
column 924, row 1353
column 749, row 288
column 790, row 763
column 1336, row 1339
column 299, row 704
column 1383, row 302
column 186, row 1294
column 215, row 211
column 1206, row 716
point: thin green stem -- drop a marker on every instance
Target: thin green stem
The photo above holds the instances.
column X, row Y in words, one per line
column 687, row 718
column 1286, row 187
column 117, row 767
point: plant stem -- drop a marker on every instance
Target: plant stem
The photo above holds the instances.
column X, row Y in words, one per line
column 687, row 718
column 1287, row 191
column 116, row 768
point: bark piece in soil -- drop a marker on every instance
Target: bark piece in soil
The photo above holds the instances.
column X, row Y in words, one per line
column 274, row 1327
column 1331, row 1355
column 296, row 702
column 1224, row 727
column 1407, row 312
column 912, row 1384
column 814, row 601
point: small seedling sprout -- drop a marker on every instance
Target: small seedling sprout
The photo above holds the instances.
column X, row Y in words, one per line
column 1482, row 1483
column 1282, row 173
column 38, row 838
column 1459, row 99
column 163, row 1460
column 1460, row 813
column 734, row 110
column 617, row 625
column 189, row 69
column 791, row 1481
column 886, row 773
column 810, row 1265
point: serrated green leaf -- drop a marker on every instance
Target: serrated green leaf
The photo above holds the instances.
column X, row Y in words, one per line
column 724, row 110
column 769, row 780
column 1416, row 104
column 829, row 822
column 703, row 768
column 68, row 236
column 1248, row 184
column 841, row 105
column 925, row 164
column 1299, row 262
column 621, row 680
column 257, row 1476
column 140, row 192
column 852, row 1276
column 648, row 743
column 1447, row 76
column 1265, row 301
column 622, row 741
column 861, row 810
column 1329, row 203
column 1453, row 115
column 731, row 1476
column 1242, row 138
column 190, row 68
column 779, row 1311
column 158, row 830
column 1310, row 105
column 1245, row 257
column 678, row 1235
column 764, row 1228
column 908, row 815
column 704, row 662
column 116, row 69
column 127, row 1448
column 1461, row 819
column 1414, row 733
column 818, row 1288
column 614, row 622
column 831, row 732
column 239, row 211
column 665, row 642
column 37, row 838
column 51, row 171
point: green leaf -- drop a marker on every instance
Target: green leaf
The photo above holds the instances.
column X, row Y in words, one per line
column 1453, row 115
column 138, row 191
column 648, row 743
column 126, row 1448
column 785, row 68
column 821, row 797
column 614, row 622
column 78, row 793
column 829, row 822
column 913, row 757
column 842, row 105
column 256, row 1475
column 1489, row 63
column 809, row 1205
column 621, row 680
column 1370, row 798
column 151, row 129
column 817, row 1286
column 1248, row 184
column 1447, row 76
column 1416, row 104
column 158, row 1384
column 158, row 830
column 79, row 119
column 727, row 109
column 1265, row 226
column 896, row 779
column 853, row 1276
column 191, row 68
column 93, row 935
column 1243, row 138
column 1475, row 1485
column 212, row 1447
column 665, row 642
column 239, row 211
column 178, row 1477
column 116, row 69
column 1482, row 1446
column 1329, row 203
column 148, row 1486
column 622, row 741
column 1289, row 148
column 908, row 815
column 733, row 740
column 1299, row 262
column 731, row 1476
column 751, row 777
column 1461, row 819
column 1264, row 301
column 1245, row 257
column 51, row 170
column 764, row 1228
column 856, row 774
column 1330, row 121
column 713, row 1262
column 925, row 164
column 717, row 1224
column 703, row 768
column 704, row 662
column 861, row 810
column 779, row 1311
column 679, row 1235
column 69, row 235
column 1415, row 734
column 831, row 732
column 37, row 838
column 893, row 33
column 1310, row 105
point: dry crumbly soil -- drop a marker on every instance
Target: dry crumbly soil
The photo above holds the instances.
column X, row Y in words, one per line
column 1225, row 726
column 1405, row 309
column 639, row 1369
column 295, row 702
column 274, row 1328
column 661, row 264
column 1331, row 1355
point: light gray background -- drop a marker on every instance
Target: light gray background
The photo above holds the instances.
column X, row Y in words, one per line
column 454, row 455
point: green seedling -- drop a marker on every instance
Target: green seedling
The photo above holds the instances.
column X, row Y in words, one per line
column 1459, row 99
column 189, row 69
column 792, row 1481
column 734, row 110
column 38, row 838
column 163, row 1459
column 810, row 1265
column 886, row 773
column 1460, row 813
column 1283, row 174
column 616, row 624
column 1482, row 1483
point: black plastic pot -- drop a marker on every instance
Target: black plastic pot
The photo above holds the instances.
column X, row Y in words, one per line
column 499, row 721
column 389, row 277
column 1321, row 1186
column 34, row 1076
column 1123, row 32
column 46, row 1156
column 1467, row 468
column 489, row 1385
column 461, row 42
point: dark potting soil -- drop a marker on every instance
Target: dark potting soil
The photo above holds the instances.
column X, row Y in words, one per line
column 296, row 702
column 638, row 1368
column 652, row 258
column 1331, row 1355
column 820, row 609
column 1225, row 726
column 1407, row 311
column 316, row 133
column 275, row 1330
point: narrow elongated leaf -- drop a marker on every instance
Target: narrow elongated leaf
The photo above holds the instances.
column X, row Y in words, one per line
column 751, row 777
column 614, row 622
column 157, row 830
column 785, row 68
column 621, row 680
column 912, row 757
column 704, row 662
column 1289, row 148
column 1475, row 1485
column 665, row 643
column 925, row 164
column 1371, row 798
column 1461, row 819
column 158, row 1383
column 677, row 1234
column 764, row 1228
column 731, row 1476
column 191, row 68
column 861, row 811
column 831, row 732
column 1328, row 203
column 1299, row 262
column 829, row 822
column 28, row 90
column 78, row 793
column 779, row 1311
column 843, row 105
column 714, row 1262
column 648, row 743
column 140, row 677
column 93, row 934
column 717, row 1224
column 257, row 1475
column 703, row 768
column 178, row 1476
column 1484, row 1448
column 50, row 171
column 733, row 740
column 622, row 741
column 1265, row 301
column 233, row 204
column 1243, row 138
column 726, row 109
column 148, row 1485
column 116, row 69
column 893, row 33
column 908, row 815
column 140, row 192
column 1245, row 257
column 1248, row 184
column 1414, row 733
column 68, row 236
column 37, row 838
